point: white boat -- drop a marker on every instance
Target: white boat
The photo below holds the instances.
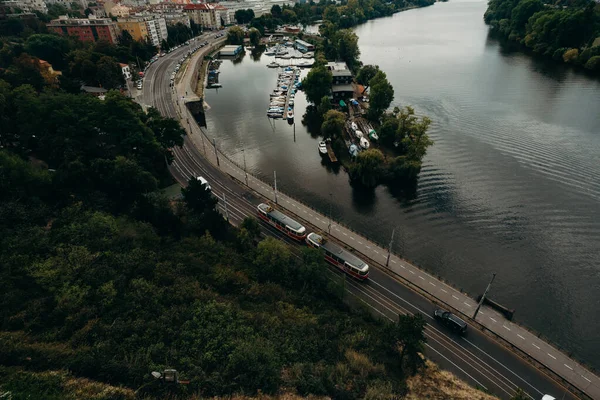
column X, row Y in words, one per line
column 290, row 115
column 358, row 134
column 322, row 148
column 364, row 143
column 273, row 65
column 291, row 102
column 354, row 126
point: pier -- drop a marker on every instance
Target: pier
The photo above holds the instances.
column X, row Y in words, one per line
column 330, row 152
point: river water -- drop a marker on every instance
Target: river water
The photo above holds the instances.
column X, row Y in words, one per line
column 510, row 186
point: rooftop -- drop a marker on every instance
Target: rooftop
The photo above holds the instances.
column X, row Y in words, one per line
column 342, row 88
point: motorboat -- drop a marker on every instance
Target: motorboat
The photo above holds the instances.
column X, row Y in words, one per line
column 353, row 150
column 323, row 148
column 373, row 135
column 290, row 115
column 354, row 126
column 273, row 65
column 291, row 102
column 358, row 134
column 364, row 143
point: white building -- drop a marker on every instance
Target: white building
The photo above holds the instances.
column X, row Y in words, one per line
column 125, row 70
column 67, row 3
column 157, row 30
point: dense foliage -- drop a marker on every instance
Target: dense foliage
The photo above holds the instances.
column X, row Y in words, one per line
column 106, row 278
column 564, row 30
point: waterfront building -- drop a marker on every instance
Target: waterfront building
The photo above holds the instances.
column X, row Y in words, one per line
column 341, row 85
column 85, row 29
column 231, row 50
column 208, row 16
column 304, row 46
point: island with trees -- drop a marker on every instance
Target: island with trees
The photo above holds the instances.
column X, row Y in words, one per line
column 397, row 156
column 565, row 30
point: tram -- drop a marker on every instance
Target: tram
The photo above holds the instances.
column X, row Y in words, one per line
column 282, row 222
column 339, row 257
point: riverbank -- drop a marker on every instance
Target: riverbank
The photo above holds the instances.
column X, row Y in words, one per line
column 575, row 40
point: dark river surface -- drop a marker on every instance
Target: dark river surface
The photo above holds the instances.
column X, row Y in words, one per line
column 511, row 185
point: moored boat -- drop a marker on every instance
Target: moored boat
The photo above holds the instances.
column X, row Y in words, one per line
column 323, row 148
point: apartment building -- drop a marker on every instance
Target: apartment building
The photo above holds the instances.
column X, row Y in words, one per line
column 85, row 29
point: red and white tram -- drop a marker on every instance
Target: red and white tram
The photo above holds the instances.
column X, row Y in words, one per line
column 339, row 257
column 282, row 222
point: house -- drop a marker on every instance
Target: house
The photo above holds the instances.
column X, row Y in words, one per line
column 94, row 91
column 341, row 85
column 125, row 70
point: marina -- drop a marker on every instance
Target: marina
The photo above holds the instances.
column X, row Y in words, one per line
column 282, row 99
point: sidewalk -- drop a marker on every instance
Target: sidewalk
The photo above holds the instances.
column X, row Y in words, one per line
column 515, row 335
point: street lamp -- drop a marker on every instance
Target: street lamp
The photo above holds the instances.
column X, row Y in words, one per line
column 330, row 205
column 483, row 296
column 245, row 171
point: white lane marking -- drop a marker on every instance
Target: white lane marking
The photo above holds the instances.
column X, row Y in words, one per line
column 359, row 242
column 505, row 327
column 344, row 233
column 455, row 297
column 352, row 238
column 432, row 284
column 520, row 336
column 571, row 368
column 369, row 247
column 467, row 304
column 337, row 229
column 394, row 261
column 444, row 290
column 411, row 272
column 481, row 312
column 420, row 277
column 551, row 355
column 402, row 266
column 310, row 214
column 493, row 319
column 376, row 251
column 536, row 346
column 586, row 379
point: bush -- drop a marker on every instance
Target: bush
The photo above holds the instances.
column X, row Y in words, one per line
column 570, row 55
column 593, row 64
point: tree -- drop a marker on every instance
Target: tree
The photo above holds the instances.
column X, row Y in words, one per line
column 333, row 124
column 273, row 259
column 235, row 35
column 254, row 35
column 289, row 16
column 410, row 341
column 382, row 95
column 365, row 74
column 197, row 197
column 276, row 11
column 324, row 105
column 125, row 38
column 52, row 48
column 367, row 170
column 167, row 131
column 244, row 16
column 317, row 84
column 346, row 43
column 108, row 73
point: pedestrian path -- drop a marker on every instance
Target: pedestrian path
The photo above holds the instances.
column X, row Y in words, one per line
column 554, row 360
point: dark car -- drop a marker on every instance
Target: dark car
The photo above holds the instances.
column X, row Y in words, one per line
column 451, row 321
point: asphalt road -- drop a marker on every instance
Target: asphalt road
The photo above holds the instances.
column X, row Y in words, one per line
column 477, row 358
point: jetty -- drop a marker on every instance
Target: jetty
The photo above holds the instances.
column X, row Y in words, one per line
column 330, row 152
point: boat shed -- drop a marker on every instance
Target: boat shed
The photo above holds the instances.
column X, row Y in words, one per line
column 230, row 50
column 304, row 46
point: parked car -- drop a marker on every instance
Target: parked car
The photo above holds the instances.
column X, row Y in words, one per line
column 451, row 321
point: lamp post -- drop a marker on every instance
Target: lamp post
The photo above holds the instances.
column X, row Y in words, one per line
column 330, row 205
column 387, row 262
column 245, row 171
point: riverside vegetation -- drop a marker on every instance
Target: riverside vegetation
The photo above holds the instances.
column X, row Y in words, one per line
column 565, row 30
column 105, row 279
